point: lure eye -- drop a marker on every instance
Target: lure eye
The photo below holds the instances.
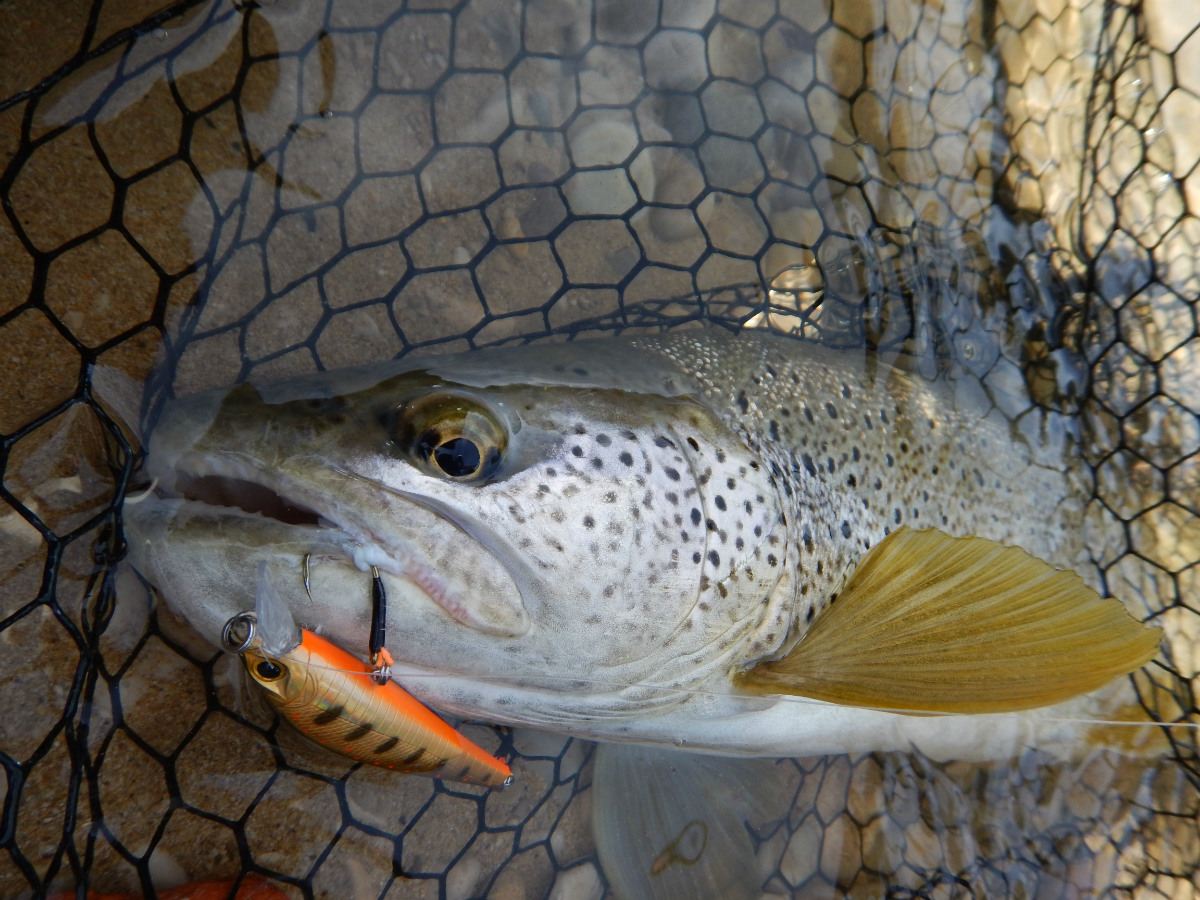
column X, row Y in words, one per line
column 450, row 435
column 268, row 670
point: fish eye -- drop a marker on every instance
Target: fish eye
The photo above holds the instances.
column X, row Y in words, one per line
column 450, row 435
column 269, row 670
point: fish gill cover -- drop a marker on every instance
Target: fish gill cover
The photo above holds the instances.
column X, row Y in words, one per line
column 208, row 191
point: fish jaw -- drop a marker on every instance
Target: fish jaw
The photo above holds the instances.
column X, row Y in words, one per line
column 224, row 500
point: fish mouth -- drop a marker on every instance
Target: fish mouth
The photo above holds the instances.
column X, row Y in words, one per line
column 233, row 488
column 248, row 496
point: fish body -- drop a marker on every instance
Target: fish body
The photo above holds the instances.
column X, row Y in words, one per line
column 605, row 538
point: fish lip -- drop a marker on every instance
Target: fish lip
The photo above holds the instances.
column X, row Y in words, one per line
column 362, row 547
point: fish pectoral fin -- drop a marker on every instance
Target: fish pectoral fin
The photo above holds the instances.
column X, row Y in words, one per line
column 930, row 623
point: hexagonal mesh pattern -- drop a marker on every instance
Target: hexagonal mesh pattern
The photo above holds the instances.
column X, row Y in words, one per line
column 213, row 189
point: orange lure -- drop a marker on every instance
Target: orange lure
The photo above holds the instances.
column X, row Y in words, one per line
column 329, row 696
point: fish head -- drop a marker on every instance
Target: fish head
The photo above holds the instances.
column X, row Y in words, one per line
column 573, row 524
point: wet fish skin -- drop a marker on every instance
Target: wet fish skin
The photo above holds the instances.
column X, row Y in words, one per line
column 667, row 512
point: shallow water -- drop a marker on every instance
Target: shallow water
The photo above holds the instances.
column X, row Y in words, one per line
column 214, row 191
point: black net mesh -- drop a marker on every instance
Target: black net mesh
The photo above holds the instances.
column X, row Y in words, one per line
column 196, row 193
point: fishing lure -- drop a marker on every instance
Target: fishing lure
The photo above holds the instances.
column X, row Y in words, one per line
column 331, row 697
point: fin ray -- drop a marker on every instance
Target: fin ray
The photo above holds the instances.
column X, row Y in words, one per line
column 933, row 623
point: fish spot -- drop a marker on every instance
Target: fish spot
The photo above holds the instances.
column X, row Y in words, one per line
column 695, row 516
column 808, row 464
column 772, row 559
column 603, row 440
column 597, row 462
column 672, row 498
column 626, row 458
column 832, row 410
column 852, row 480
column 739, row 544
column 589, row 522
column 387, row 745
column 720, row 502
column 359, row 733
column 579, row 429
column 693, row 444
column 845, row 529
column 714, row 557
column 673, row 474
column 696, row 557
column 577, row 450
column 660, row 441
